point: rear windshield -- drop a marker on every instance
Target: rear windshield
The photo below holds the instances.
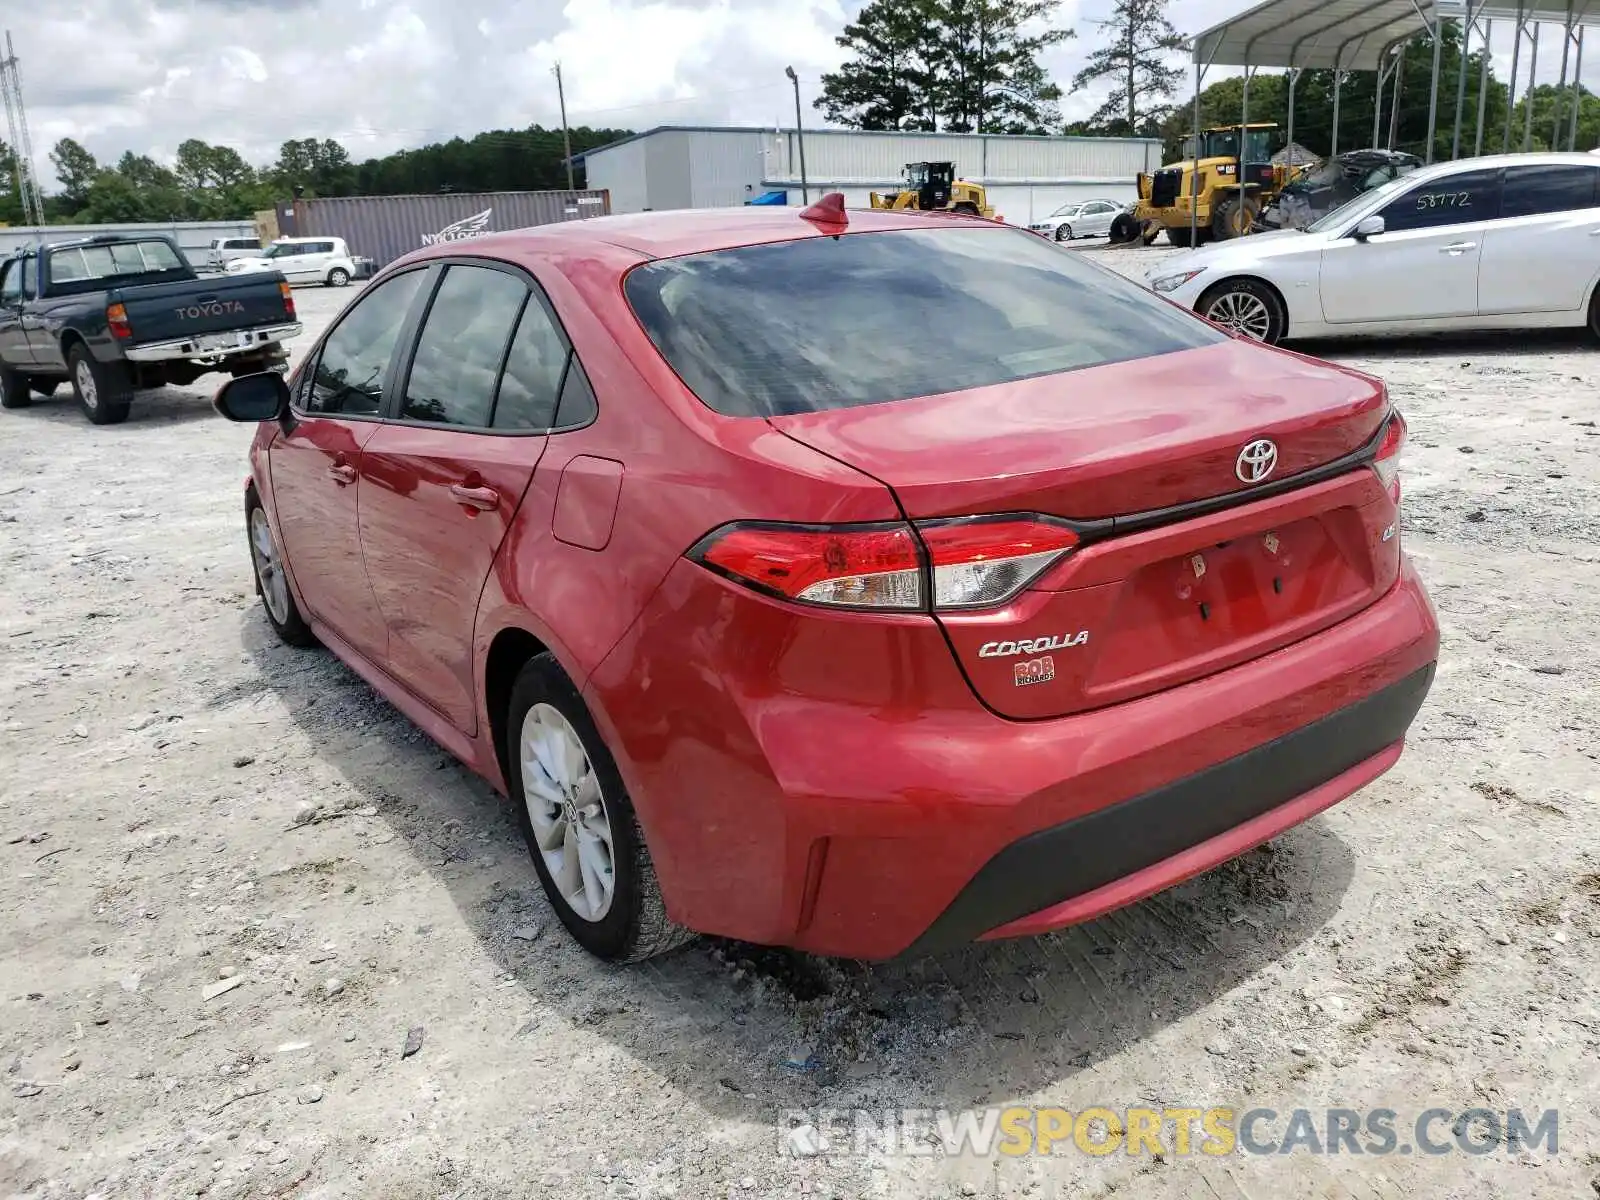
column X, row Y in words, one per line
column 114, row 260
column 823, row 323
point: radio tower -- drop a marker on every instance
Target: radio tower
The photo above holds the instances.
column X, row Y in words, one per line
column 21, row 144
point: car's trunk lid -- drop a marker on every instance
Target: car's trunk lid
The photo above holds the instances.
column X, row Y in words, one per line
column 1185, row 595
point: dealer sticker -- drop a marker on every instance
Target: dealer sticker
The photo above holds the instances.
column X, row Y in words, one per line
column 1035, row 670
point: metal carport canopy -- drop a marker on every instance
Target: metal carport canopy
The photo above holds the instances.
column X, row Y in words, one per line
column 1352, row 35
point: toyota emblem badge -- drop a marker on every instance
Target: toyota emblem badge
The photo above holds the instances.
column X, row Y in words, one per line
column 1256, row 461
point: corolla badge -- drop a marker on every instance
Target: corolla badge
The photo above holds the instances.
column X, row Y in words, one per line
column 475, row 226
column 1256, row 461
column 1060, row 641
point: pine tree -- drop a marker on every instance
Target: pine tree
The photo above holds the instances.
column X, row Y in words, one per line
column 889, row 80
column 996, row 82
column 966, row 66
column 1135, row 59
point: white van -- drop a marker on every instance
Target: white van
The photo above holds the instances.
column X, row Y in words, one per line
column 225, row 249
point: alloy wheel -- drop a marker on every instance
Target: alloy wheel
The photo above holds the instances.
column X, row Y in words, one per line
column 567, row 810
column 1243, row 313
column 274, row 587
column 83, row 376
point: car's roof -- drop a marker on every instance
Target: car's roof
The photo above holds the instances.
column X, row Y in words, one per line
column 1491, row 162
column 100, row 239
column 689, row 231
column 1375, row 153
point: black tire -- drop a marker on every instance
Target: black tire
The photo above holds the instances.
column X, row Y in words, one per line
column 635, row 926
column 1226, row 219
column 970, row 210
column 1063, row 233
column 1228, row 304
column 1594, row 315
column 1124, row 229
column 13, row 388
column 45, row 389
column 112, row 386
column 1178, row 235
column 290, row 626
column 338, row 277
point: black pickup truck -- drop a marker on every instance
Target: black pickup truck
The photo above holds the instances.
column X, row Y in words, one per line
column 112, row 313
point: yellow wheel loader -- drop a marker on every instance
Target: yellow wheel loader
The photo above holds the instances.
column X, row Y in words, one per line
column 933, row 187
column 1201, row 194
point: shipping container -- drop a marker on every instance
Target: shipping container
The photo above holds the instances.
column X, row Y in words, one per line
column 193, row 237
column 383, row 228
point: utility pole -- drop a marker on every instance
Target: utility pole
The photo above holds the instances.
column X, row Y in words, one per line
column 566, row 134
column 799, row 135
column 24, row 177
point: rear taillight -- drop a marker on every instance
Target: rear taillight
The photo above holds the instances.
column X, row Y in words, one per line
column 288, row 300
column 117, row 321
column 984, row 561
column 1387, row 461
column 854, row 566
column 965, row 563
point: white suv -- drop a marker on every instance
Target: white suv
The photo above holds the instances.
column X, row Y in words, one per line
column 225, row 249
column 303, row 260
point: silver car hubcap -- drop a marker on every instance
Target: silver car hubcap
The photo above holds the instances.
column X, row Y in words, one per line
column 274, row 588
column 1242, row 313
column 84, row 376
column 568, row 812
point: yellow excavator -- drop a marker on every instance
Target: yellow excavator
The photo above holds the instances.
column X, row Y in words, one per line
column 933, row 187
column 1201, row 194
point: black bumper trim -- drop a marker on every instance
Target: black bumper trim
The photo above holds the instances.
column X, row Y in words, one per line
column 1050, row 866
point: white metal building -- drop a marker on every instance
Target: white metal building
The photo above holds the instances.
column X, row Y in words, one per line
column 705, row 167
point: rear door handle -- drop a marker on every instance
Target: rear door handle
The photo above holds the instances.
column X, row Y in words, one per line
column 342, row 474
column 482, row 498
column 1594, row 233
column 1458, row 247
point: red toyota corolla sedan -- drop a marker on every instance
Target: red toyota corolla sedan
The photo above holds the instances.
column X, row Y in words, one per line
column 862, row 582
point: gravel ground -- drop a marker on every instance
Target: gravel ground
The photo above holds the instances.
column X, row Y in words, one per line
column 186, row 803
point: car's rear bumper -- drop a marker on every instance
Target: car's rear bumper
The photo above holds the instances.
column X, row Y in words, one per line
column 1113, row 856
column 840, row 791
column 214, row 345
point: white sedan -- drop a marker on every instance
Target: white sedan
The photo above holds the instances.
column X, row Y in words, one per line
column 1081, row 218
column 1504, row 242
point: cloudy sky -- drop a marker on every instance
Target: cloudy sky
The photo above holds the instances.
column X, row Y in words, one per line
column 379, row 75
column 382, row 74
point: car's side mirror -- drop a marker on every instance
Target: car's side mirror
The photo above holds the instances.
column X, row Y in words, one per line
column 253, row 398
column 1367, row 227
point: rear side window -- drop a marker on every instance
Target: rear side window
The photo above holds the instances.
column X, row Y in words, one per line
column 355, row 358
column 1452, row 200
column 1530, row 191
column 534, row 369
column 462, row 346
column 578, row 406
column 824, row 323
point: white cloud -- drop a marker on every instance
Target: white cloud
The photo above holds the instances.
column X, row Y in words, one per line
column 380, row 75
